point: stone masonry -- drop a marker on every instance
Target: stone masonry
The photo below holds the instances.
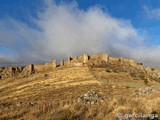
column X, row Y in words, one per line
column 85, row 58
column 54, row 64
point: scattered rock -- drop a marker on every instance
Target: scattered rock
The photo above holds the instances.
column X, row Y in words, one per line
column 144, row 91
column 90, row 98
column 6, row 105
column 113, row 87
column 19, row 104
column 32, row 103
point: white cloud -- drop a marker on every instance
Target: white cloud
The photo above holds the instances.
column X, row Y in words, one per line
column 152, row 13
column 66, row 30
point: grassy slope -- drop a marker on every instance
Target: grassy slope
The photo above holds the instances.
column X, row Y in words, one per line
column 51, row 95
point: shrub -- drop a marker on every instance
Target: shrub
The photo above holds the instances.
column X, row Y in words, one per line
column 122, row 101
column 146, row 81
column 109, row 70
column 133, row 74
column 156, row 79
column 142, row 77
column 140, row 63
column 127, row 86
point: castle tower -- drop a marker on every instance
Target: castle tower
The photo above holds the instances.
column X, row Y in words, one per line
column 69, row 58
column 62, row 63
column 11, row 69
column 54, row 64
column 105, row 57
column 85, row 58
column 31, row 67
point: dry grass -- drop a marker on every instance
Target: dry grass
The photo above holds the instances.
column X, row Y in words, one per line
column 52, row 96
column 67, row 110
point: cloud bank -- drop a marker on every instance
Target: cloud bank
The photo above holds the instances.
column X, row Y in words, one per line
column 65, row 30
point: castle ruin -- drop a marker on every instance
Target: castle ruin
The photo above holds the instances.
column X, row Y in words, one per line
column 83, row 60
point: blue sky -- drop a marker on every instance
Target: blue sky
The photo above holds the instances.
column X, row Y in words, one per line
column 23, row 25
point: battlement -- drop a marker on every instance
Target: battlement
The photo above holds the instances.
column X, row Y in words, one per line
column 84, row 60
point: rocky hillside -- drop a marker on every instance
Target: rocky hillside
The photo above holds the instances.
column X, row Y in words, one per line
column 84, row 88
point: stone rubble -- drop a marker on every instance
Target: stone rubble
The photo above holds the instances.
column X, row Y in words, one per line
column 17, row 104
column 144, row 91
column 90, row 98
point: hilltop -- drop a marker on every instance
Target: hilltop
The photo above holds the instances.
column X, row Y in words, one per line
column 82, row 88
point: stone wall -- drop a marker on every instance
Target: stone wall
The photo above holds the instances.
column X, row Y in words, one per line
column 7, row 72
column 82, row 60
column 105, row 57
column 28, row 70
column 19, row 69
column 100, row 57
column 61, row 63
column 78, row 64
column 130, row 62
column 85, row 58
column 39, row 68
column 54, row 64
column 114, row 59
column 72, row 58
column 127, row 61
column 46, row 66
column 72, row 63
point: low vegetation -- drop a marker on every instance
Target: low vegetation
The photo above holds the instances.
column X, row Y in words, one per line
column 54, row 94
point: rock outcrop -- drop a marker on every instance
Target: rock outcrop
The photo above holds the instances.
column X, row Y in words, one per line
column 90, row 98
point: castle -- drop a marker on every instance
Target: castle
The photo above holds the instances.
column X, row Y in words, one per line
column 75, row 61
column 83, row 60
